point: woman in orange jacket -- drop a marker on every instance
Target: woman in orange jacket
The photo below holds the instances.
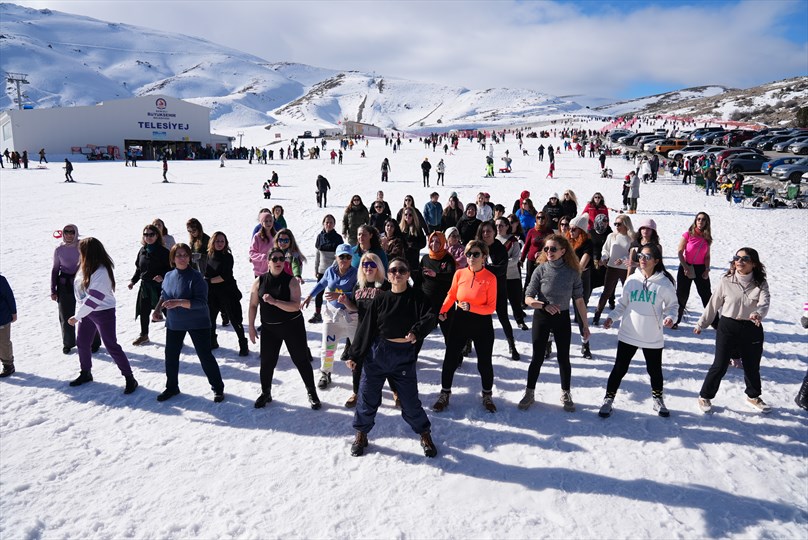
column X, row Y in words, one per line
column 474, row 293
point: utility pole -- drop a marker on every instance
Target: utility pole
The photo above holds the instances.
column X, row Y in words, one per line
column 240, row 135
column 18, row 79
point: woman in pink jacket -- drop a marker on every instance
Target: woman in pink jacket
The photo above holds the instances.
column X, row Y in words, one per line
column 262, row 242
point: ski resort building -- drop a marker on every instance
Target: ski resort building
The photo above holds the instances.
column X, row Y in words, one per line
column 358, row 128
column 149, row 126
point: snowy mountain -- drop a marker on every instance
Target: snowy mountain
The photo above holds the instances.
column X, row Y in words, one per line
column 66, row 66
column 664, row 100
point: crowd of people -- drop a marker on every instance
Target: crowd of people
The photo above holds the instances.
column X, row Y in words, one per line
column 385, row 282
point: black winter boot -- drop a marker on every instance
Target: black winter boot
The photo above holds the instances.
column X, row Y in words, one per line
column 802, row 396
column 430, row 450
column 84, row 376
column 512, row 351
column 314, row 401
column 359, row 444
column 243, row 347
column 131, row 384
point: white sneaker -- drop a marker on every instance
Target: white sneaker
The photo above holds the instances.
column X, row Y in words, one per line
column 705, row 405
column 526, row 401
column 758, row 404
column 660, row 408
column 606, row 408
column 566, row 401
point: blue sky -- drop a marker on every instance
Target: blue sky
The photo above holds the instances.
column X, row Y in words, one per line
column 619, row 49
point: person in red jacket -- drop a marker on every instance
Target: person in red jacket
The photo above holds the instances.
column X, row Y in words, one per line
column 595, row 207
column 474, row 293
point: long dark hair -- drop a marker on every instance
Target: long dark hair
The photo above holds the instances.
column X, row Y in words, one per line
column 656, row 253
column 707, row 233
column 212, row 241
column 92, row 256
column 375, row 239
column 758, row 272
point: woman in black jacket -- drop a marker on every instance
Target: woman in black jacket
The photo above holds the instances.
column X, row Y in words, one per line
column 151, row 266
column 414, row 242
column 467, row 225
column 223, row 292
column 497, row 264
column 198, row 241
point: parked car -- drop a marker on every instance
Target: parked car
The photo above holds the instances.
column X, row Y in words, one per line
column 724, row 154
column 791, row 172
column 783, row 146
column 704, row 150
column 737, row 136
column 640, row 142
column 799, row 148
column 694, row 136
column 771, row 141
column 651, row 145
column 767, row 167
column 629, row 140
column 746, row 162
column 617, row 133
column 753, row 142
column 714, row 138
column 668, row 145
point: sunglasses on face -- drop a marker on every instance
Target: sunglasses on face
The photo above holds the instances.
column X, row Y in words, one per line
column 597, row 198
column 344, row 257
column 68, row 231
column 278, row 259
column 283, row 240
column 474, row 254
column 644, row 256
column 357, row 200
column 149, row 234
column 618, row 223
column 369, row 264
column 563, row 224
column 551, row 249
column 398, row 270
column 742, row 258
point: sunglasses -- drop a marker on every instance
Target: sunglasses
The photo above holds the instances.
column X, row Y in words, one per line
column 742, row 258
column 68, row 231
column 597, row 198
column 474, row 254
column 357, row 200
column 644, row 256
column 278, row 259
column 149, row 234
column 618, row 223
column 283, row 240
column 345, row 256
column 378, row 206
column 369, row 264
column 563, row 224
column 551, row 249
column 398, row 270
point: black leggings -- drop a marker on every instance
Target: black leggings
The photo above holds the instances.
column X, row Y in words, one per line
column 318, row 300
column 559, row 325
column 515, row 298
column 479, row 329
column 683, row 284
column 625, row 352
column 731, row 337
column 223, row 298
column 502, row 309
column 293, row 333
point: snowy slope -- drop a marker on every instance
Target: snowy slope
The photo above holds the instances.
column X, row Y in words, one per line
column 661, row 101
column 89, row 462
column 73, row 60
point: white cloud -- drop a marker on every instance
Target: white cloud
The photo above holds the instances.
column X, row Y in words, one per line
column 559, row 48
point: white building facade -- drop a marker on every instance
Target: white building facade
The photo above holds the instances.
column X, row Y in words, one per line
column 151, row 125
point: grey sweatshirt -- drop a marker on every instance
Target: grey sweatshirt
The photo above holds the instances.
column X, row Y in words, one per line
column 555, row 283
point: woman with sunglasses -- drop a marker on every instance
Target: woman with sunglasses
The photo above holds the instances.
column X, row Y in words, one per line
column 569, row 204
column 414, row 241
column 198, row 241
column 151, row 265
column 262, row 242
column 513, row 283
column 277, row 294
column 575, row 231
column 596, row 207
column 285, row 241
column 94, row 288
column 553, row 211
column 388, row 341
column 614, row 256
column 533, row 244
column 377, row 215
column 646, row 235
column 185, row 297
column 223, row 292
column 497, row 264
column 326, row 246
column 647, row 305
column 742, row 297
column 338, row 322
column 438, row 268
column 527, row 215
column 694, row 264
column 556, row 281
column 356, row 215
column 409, row 202
column 370, row 283
column 473, row 294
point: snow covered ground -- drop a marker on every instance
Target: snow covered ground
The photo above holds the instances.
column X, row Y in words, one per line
column 90, row 462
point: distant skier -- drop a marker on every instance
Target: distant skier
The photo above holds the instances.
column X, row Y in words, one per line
column 165, row 170
column 68, row 171
column 42, row 156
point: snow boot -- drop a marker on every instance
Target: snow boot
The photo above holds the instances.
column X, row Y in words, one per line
column 131, row 384
column 359, row 444
column 606, row 408
column 566, row 401
column 243, row 347
column 442, row 402
column 8, row 369
column 527, row 400
column 84, row 376
column 430, row 450
column 167, row 394
column 325, row 380
column 585, row 352
column 758, row 404
column 263, row 399
column 314, row 401
column 488, row 403
column 659, row 406
column 512, row 351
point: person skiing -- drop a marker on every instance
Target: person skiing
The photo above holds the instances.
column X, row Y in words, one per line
column 165, row 170
column 68, row 171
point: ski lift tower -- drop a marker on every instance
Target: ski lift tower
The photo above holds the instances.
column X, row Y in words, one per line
column 18, row 79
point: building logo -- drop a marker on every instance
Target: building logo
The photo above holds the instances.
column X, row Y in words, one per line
column 160, row 104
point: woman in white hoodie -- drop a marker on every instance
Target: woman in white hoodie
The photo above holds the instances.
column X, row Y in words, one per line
column 648, row 304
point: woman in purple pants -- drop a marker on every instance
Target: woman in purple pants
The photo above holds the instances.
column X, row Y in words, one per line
column 95, row 299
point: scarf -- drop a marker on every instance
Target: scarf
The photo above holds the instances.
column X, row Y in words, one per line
column 441, row 253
